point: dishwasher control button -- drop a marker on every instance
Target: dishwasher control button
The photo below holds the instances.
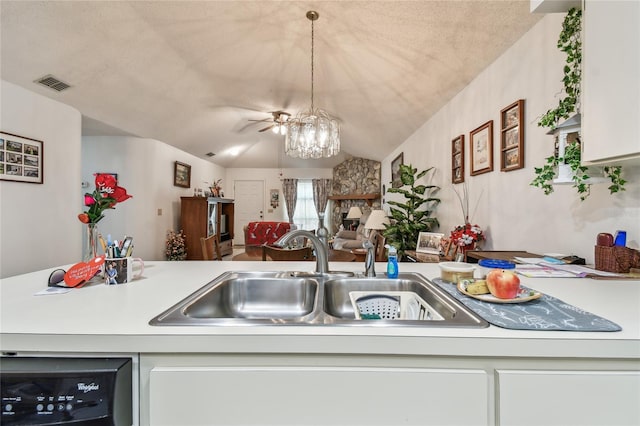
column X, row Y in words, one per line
column 39, row 407
column 50, row 407
column 8, row 407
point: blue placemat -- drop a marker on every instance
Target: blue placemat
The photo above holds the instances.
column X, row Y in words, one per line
column 546, row 313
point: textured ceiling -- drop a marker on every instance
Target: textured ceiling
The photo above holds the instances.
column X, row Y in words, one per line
column 192, row 73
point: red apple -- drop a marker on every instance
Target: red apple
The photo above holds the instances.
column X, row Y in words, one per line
column 503, row 284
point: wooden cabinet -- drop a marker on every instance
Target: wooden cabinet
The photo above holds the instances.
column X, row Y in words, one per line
column 202, row 217
column 611, row 87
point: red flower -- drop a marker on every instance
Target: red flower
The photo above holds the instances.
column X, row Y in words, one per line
column 105, row 182
column 106, row 195
column 467, row 235
column 89, row 200
column 120, row 194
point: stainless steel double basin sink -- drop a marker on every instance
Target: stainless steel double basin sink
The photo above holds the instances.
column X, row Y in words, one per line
column 298, row 298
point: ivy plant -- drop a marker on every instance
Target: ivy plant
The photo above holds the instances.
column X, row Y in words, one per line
column 412, row 216
column 570, row 42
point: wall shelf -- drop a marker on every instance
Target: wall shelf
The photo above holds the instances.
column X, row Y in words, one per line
column 367, row 197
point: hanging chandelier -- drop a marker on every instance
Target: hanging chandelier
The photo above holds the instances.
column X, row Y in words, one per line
column 312, row 133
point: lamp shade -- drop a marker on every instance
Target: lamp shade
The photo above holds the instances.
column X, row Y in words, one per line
column 354, row 213
column 377, row 220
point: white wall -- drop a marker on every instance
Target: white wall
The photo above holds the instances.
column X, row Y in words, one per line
column 39, row 227
column 272, row 180
column 145, row 169
column 516, row 215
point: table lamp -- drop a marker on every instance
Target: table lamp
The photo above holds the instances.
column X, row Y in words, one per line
column 377, row 220
column 354, row 214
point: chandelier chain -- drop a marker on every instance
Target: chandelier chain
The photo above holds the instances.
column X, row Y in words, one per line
column 312, row 68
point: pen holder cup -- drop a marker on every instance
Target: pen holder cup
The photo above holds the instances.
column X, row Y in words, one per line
column 616, row 259
column 120, row 270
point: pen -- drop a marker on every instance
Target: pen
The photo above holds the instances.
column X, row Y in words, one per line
column 102, row 243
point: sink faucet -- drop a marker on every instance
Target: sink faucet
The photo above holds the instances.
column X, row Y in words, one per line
column 322, row 254
column 370, row 259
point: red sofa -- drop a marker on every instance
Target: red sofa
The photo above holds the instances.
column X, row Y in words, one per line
column 259, row 233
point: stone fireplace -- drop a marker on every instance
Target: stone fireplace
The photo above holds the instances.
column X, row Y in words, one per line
column 356, row 182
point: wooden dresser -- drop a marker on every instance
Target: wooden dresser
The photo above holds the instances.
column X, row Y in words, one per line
column 201, row 217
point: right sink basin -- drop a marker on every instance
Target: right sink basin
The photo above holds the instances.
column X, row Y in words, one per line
column 340, row 295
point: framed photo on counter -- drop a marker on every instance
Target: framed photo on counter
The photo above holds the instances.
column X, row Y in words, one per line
column 429, row 242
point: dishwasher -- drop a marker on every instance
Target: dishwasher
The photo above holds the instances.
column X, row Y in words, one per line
column 54, row 390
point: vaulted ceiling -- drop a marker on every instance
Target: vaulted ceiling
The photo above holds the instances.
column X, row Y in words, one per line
column 193, row 73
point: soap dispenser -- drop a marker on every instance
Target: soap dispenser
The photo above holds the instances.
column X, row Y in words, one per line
column 392, row 262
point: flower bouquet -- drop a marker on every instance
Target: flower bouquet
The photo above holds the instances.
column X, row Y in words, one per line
column 106, row 195
column 466, row 236
column 176, row 249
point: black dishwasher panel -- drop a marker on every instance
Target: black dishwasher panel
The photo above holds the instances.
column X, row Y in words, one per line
column 66, row 391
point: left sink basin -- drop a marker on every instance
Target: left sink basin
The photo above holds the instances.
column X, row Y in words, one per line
column 246, row 298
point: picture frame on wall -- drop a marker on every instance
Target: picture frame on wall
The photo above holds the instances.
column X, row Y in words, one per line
column 182, row 175
column 115, row 175
column 457, row 159
column 481, row 149
column 21, row 158
column 512, row 137
column 396, row 182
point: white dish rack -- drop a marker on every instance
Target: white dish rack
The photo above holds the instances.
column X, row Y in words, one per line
column 402, row 305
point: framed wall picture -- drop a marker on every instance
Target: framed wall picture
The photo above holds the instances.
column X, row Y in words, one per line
column 395, row 171
column 429, row 242
column 181, row 175
column 457, row 159
column 21, row 159
column 481, row 149
column 512, row 137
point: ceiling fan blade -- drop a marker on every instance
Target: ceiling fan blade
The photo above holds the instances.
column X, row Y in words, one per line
column 264, row 120
column 266, row 128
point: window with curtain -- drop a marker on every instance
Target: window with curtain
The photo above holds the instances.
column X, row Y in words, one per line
column 305, row 216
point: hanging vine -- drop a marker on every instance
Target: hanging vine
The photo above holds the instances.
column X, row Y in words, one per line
column 570, row 42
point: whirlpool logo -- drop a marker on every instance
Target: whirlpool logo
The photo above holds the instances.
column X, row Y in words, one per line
column 83, row 387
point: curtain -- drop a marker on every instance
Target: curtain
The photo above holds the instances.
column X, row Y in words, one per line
column 290, row 191
column 321, row 190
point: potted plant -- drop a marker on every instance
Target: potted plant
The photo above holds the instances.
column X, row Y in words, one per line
column 412, row 216
column 568, row 153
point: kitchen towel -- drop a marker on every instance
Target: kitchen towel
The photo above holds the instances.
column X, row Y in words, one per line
column 546, row 313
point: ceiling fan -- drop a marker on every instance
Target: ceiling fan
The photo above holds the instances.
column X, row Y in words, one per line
column 278, row 122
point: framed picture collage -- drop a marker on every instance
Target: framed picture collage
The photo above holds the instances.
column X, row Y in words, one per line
column 511, row 145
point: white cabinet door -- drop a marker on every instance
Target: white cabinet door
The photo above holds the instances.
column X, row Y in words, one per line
column 611, row 82
column 317, row 396
column 530, row 397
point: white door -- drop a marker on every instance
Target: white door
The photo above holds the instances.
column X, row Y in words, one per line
column 249, row 205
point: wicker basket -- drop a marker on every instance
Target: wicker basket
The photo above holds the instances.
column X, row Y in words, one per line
column 616, row 259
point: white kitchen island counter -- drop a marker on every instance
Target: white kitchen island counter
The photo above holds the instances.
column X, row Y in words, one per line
column 335, row 374
column 103, row 318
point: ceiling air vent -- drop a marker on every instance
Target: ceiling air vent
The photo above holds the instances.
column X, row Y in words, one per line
column 210, row 154
column 53, row 83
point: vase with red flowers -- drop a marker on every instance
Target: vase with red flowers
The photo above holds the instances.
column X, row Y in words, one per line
column 467, row 236
column 105, row 196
